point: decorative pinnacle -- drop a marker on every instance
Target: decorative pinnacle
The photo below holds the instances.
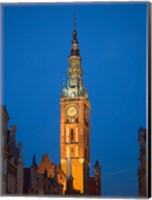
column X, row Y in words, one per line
column 75, row 49
column 34, row 161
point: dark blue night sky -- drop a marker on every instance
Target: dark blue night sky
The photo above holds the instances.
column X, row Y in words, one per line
column 112, row 42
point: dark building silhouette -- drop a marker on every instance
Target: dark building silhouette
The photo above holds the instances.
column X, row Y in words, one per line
column 95, row 182
column 142, row 172
column 12, row 163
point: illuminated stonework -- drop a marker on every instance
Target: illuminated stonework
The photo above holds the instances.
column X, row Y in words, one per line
column 76, row 135
column 75, row 131
column 75, row 124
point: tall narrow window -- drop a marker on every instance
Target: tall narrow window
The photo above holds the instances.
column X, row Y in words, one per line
column 72, row 135
column 72, row 152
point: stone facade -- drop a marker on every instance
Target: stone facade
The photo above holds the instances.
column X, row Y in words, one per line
column 45, row 179
column 12, row 164
column 75, row 133
column 53, row 171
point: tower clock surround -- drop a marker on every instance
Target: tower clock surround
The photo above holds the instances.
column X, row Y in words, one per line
column 71, row 111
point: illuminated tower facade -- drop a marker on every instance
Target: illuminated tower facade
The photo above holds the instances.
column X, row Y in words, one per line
column 75, row 123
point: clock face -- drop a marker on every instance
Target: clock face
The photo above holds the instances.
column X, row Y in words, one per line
column 71, row 111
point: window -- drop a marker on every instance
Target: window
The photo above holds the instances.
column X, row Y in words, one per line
column 72, row 135
column 72, row 152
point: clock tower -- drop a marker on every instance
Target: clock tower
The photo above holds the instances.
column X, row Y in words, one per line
column 75, row 124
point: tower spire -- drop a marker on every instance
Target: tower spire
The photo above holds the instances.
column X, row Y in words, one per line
column 34, row 164
column 74, row 23
column 75, row 49
column 75, row 83
column 74, row 29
